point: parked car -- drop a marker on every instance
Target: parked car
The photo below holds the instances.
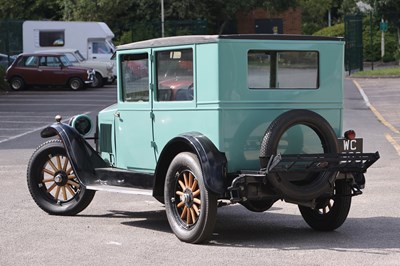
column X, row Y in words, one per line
column 104, row 71
column 6, row 60
column 261, row 120
column 47, row 69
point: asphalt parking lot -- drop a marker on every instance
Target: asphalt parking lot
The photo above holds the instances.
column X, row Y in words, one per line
column 24, row 113
column 382, row 96
column 126, row 229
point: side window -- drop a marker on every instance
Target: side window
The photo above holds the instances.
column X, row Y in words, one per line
column 283, row 69
column 135, row 77
column 175, row 75
column 30, row 61
column 51, row 38
column 50, row 61
column 101, row 48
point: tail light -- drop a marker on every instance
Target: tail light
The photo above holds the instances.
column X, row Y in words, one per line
column 350, row 134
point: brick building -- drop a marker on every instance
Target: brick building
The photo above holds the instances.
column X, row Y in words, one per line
column 263, row 21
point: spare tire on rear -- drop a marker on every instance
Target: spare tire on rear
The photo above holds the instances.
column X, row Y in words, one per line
column 314, row 184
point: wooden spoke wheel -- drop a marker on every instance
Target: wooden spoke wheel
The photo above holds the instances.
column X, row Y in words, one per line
column 330, row 213
column 59, row 179
column 188, row 202
column 53, row 183
column 191, row 209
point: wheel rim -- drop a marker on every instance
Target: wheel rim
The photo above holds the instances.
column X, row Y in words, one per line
column 187, row 201
column 96, row 81
column 16, row 84
column 75, row 84
column 59, row 181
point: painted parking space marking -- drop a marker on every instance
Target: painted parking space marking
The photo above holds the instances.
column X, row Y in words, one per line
column 380, row 118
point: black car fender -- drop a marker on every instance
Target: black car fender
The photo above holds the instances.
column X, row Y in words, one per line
column 84, row 159
column 213, row 162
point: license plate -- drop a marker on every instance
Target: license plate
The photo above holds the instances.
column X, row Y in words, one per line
column 354, row 145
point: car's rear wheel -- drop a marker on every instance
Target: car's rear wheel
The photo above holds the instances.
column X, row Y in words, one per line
column 52, row 181
column 330, row 213
column 17, row 83
column 191, row 209
column 75, row 84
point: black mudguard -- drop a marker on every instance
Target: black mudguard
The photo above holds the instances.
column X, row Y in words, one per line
column 213, row 162
column 84, row 159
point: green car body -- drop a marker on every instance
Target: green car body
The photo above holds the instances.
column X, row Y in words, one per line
column 249, row 119
column 224, row 107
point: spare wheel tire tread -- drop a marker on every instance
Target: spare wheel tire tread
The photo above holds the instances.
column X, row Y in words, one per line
column 269, row 147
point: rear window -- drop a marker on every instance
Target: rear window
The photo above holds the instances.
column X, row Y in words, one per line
column 28, row 61
column 283, row 69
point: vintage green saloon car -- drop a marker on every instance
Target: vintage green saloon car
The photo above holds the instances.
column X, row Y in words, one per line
column 249, row 119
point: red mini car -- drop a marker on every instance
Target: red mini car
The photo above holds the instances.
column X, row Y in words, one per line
column 47, row 69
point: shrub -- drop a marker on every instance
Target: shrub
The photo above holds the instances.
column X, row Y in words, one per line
column 333, row 31
column 369, row 55
column 3, row 84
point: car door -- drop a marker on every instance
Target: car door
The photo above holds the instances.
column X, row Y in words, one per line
column 50, row 71
column 133, row 118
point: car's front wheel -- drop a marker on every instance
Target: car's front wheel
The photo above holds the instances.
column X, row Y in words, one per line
column 191, row 209
column 97, row 81
column 75, row 84
column 52, row 181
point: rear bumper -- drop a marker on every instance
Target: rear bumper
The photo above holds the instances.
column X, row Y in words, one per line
column 254, row 185
column 340, row 162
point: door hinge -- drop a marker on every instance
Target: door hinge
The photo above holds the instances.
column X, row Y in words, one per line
column 153, row 144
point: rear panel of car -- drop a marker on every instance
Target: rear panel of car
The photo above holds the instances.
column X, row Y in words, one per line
column 248, row 107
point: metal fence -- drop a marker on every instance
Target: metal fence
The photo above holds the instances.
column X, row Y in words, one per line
column 11, row 37
column 354, row 44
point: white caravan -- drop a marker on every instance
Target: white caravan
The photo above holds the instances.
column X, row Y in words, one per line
column 92, row 39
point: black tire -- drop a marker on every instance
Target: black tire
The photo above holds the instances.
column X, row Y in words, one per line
column 313, row 184
column 76, row 84
column 52, row 183
column 191, row 209
column 329, row 214
column 258, row 205
column 17, row 83
column 97, row 81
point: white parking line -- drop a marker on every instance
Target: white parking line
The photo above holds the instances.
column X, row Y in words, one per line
column 32, row 130
column 20, row 135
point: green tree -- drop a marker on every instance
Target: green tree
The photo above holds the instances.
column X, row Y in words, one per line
column 29, row 9
column 315, row 14
column 390, row 10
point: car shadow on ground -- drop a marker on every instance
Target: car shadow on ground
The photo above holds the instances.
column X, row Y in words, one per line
column 237, row 227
